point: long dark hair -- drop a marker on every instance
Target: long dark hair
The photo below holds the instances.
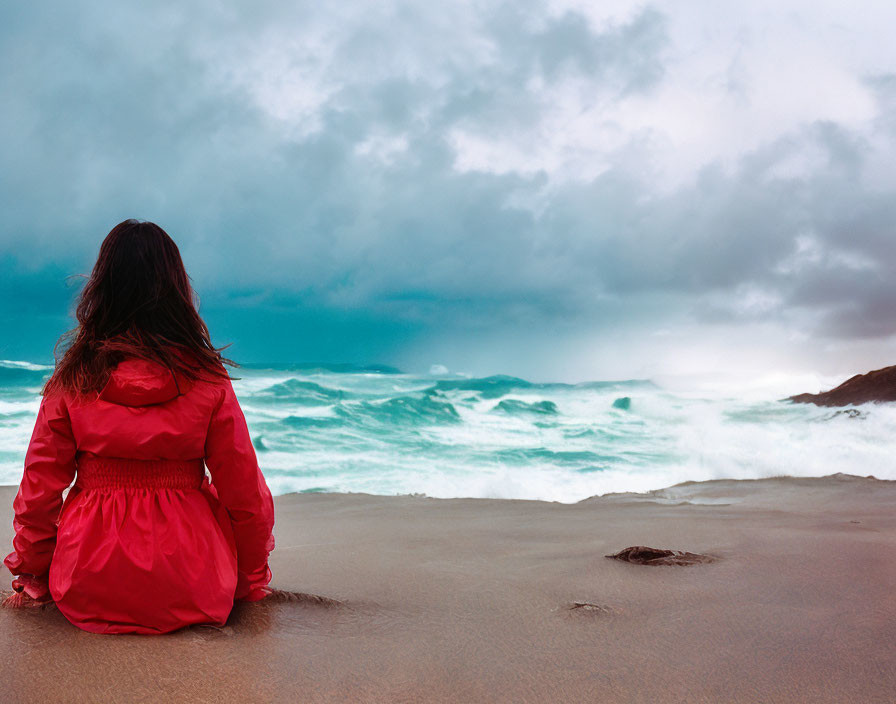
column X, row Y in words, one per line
column 137, row 302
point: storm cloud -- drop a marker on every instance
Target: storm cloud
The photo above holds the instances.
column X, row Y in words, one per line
column 495, row 186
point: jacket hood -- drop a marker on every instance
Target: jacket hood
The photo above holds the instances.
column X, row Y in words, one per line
column 142, row 382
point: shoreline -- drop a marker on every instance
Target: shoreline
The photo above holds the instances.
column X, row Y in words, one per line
column 837, row 476
column 513, row 600
column 656, row 493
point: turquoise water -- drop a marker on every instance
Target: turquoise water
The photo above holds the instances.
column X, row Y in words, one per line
column 377, row 430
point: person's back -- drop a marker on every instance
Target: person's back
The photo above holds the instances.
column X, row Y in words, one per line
column 144, row 543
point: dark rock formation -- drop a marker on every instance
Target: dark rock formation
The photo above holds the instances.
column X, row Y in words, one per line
column 623, row 404
column 877, row 386
column 641, row 555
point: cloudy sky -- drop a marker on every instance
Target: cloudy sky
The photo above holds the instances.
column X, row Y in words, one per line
column 561, row 190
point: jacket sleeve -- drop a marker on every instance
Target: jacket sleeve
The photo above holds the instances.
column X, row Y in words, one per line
column 243, row 491
column 49, row 469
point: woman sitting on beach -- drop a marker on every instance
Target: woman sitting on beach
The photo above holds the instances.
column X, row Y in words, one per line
column 137, row 408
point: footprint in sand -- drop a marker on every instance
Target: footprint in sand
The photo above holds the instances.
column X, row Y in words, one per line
column 281, row 596
column 587, row 610
column 588, row 607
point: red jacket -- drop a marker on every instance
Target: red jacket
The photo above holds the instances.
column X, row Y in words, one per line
column 143, row 543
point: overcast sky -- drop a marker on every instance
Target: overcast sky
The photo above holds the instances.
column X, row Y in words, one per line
column 545, row 189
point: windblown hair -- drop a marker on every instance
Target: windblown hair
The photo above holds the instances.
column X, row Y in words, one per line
column 137, row 302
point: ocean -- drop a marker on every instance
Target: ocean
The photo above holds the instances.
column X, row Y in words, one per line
column 345, row 428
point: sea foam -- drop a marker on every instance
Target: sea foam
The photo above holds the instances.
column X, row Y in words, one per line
column 376, row 430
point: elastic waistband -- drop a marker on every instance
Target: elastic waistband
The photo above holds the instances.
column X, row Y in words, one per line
column 95, row 472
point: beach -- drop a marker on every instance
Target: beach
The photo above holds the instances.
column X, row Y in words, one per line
column 496, row 600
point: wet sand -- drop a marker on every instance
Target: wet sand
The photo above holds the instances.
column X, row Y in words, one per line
column 474, row 600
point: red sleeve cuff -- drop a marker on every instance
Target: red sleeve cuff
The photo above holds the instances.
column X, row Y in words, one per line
column 35, row 587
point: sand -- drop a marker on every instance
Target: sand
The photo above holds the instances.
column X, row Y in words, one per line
column 475, row 600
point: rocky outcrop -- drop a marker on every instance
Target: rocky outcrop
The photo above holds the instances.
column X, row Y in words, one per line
column 641, row 555
column 874, row 387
